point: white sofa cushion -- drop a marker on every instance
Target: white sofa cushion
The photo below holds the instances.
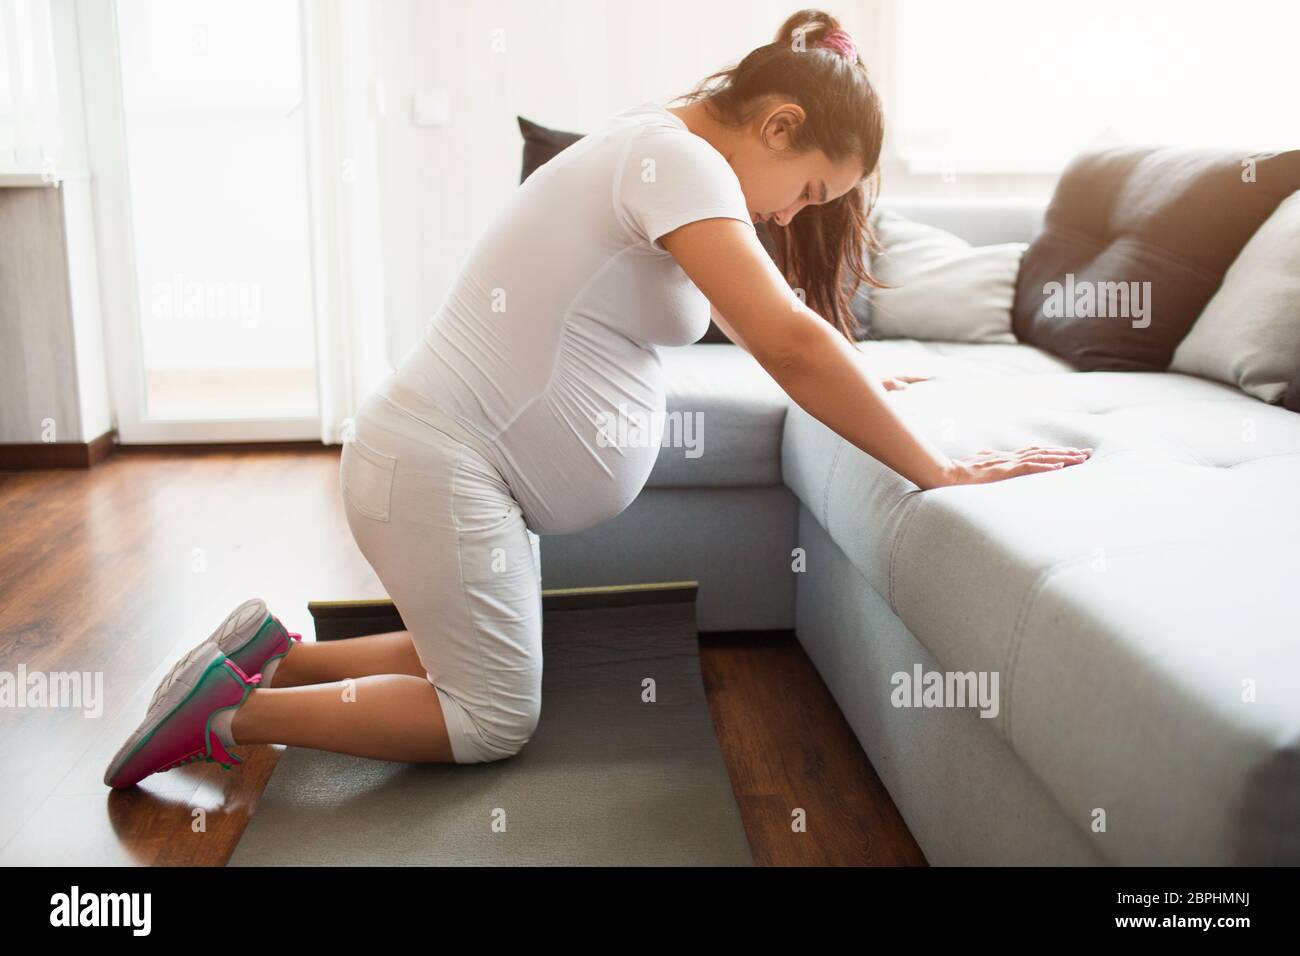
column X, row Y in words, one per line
column 725, row 402
column 722, row 399
column 941, row 287
column 1249, row 333
column 1123, row 602
column 958, row 359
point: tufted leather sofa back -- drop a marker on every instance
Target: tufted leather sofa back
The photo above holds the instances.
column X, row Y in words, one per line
column 1164, row 224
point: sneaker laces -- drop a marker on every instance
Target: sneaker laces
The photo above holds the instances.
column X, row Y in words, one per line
column 204, row 754
column 171, row 675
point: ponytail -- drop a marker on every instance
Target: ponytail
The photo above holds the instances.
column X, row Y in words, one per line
column 813, row 62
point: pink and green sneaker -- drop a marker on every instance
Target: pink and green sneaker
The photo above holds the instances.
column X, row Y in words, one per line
column 250, row 636
column 178, row 728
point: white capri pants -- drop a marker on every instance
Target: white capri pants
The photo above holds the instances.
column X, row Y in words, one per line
column 443, row 532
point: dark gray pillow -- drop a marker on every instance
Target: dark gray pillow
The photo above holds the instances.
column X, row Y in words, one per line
column 541, row 145
column 1167, row 222
column 1292, row 398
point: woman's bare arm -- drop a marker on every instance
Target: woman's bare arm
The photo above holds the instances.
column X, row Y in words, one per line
column 727, row 330
column 891, row 383
column 817, row 367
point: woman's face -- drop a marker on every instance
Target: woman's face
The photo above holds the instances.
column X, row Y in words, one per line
column 776, row 180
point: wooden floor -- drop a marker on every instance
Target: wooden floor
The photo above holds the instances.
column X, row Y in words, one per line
column 118, row 570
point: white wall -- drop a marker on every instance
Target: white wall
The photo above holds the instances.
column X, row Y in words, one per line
column 566, row 64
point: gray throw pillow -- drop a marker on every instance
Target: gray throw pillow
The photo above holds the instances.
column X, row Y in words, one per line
column 1249, row 334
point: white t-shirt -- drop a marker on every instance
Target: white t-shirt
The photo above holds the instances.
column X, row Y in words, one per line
column 545, row 345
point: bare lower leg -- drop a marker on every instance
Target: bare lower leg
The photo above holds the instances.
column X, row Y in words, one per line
column 387, row 717
column 322, row 662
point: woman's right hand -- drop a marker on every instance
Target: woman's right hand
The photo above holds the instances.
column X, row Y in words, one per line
column 818, row 367
column 988, row 465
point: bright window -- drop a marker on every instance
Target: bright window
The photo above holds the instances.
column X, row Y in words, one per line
column 1021, row 86
column 213, row 97
column 29, row 134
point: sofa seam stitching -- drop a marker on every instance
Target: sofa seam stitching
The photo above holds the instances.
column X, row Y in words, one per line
column 1017, row 635
column 830, row 479
column 1251, row 461
column 893, row 550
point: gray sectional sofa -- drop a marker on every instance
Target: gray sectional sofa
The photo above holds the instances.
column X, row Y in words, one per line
column 1141, row 612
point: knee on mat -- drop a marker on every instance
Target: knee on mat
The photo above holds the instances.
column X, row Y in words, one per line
column 501, row 737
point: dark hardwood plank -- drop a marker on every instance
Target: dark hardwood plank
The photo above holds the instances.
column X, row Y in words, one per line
column 789, row 748
column 119, row 569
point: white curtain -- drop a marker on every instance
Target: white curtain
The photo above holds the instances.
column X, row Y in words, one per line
column 29, row 121
column 343, row 108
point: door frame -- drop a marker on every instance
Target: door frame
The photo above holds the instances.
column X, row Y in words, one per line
column 105, row 122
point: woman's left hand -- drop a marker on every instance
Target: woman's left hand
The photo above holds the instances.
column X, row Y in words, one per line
column 896, row 383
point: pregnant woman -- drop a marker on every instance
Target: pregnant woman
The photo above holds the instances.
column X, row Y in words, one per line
column 495, row 427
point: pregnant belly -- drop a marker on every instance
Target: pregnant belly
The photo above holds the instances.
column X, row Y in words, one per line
column 580, row 456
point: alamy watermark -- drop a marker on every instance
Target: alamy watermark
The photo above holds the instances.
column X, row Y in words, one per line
column 922, row 688
column 53, row 690
column 1098, row 300
column 633, row 428
column 185, row 298
column 75, row 908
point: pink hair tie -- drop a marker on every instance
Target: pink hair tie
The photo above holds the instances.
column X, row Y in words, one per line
column 841, row 43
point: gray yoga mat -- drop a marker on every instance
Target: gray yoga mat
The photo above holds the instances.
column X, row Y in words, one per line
column 607, row 779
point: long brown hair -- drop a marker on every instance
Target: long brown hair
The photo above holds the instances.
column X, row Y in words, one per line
column 823, row 249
